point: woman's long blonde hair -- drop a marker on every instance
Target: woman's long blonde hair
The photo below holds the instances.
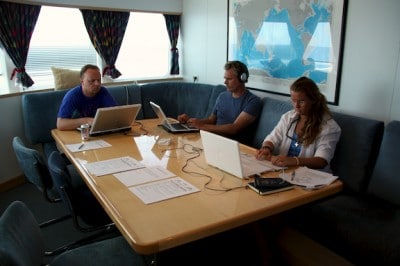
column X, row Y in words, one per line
column 318, row 111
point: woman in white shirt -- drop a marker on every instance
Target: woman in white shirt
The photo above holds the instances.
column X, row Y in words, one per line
column 306, row 135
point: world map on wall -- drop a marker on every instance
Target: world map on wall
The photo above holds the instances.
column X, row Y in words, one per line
column 283, row 39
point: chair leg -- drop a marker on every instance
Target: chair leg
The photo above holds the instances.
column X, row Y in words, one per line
column 55, row 220
column 100, row 235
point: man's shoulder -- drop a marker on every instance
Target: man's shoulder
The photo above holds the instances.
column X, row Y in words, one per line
column 222, row 93
column 104, row 91
column 74, row 91
column 253, row 96
column 105, row 96
column 224, row 96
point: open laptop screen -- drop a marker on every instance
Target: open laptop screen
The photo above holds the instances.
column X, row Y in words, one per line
column 225, row 154
column 175, row 127
column 116, row 118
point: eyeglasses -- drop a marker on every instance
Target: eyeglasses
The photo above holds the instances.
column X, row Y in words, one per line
column 290, row 137
column 299, row 102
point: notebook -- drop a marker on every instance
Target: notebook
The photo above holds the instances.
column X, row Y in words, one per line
column 175, row 127
column 265, row 186
column 114, row 119
column 224, row 153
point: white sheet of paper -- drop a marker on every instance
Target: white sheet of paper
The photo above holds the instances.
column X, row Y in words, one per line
column 143, row 175
column 112, row 166
column 88, row 145
column 309, row 178
column 162, row 190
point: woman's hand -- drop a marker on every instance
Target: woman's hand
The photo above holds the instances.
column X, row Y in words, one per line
column 263, row 154
column 284, row 161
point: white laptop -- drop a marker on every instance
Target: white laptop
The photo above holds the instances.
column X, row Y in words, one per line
column 114, row 119
column 175, row 127
column 224, row 153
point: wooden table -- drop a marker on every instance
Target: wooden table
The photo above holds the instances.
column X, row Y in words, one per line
column 159, row 226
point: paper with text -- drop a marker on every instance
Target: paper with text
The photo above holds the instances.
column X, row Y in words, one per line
column 88, row 145
column 309, row 178
column 143, row 175
column 112, row 166
column 162, row 190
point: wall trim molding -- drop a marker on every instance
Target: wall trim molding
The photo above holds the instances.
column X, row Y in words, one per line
column 12, row 183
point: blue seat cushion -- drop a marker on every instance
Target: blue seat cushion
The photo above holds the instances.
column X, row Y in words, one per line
column 385, row 181
column 357, row 150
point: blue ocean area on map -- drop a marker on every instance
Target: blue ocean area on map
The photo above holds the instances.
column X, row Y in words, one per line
column 283, row 50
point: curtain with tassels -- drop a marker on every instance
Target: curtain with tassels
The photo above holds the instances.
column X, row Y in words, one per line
column 173, row 23
column 106, row 31
column 17, row 22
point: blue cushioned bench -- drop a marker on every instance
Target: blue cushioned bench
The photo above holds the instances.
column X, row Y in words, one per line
column 359, row 224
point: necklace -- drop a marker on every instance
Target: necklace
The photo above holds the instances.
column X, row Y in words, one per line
column 295, row 137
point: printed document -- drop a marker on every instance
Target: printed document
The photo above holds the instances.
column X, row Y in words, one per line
column 88, row 145
column 143, row 175
column 112, row 166
column 309, row 178
column 163, row 189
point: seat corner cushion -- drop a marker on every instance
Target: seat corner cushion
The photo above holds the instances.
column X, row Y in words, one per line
column 385, row 182
column 363, row 230
column 357, row 150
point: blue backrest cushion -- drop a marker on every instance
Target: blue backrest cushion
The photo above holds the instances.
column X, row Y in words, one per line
column 39, row 111
column 356, row 150
column 21, row 241
column 32, row 163
column 271, row 113
column 385, row 180
column 127, row 94
column 176, row 98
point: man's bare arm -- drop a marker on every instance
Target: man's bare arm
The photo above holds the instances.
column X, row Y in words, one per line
column 72, row 124
column 241, row 122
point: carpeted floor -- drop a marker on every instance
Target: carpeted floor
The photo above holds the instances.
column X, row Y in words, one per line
column 236, row 247
column 55, row 235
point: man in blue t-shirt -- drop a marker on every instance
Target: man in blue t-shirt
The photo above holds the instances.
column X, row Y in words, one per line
column 80, row 104
column 236, row 110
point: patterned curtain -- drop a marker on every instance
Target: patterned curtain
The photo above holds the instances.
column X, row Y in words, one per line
column 17, row 22
column 173, row 23
column 106, row 30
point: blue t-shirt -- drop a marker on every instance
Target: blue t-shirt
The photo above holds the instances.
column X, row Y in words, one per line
column 228, row 108
column 75, row 104
column 295, row 146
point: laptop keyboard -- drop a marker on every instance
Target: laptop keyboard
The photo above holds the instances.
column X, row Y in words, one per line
column 179, row 126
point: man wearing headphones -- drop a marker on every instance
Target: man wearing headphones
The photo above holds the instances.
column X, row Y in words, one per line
column 236, row 110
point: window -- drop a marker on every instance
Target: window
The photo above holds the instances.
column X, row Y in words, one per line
column 147, row 43
column 60, row 39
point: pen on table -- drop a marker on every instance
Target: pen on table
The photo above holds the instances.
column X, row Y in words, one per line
column 293, row 174
column 81, row 146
